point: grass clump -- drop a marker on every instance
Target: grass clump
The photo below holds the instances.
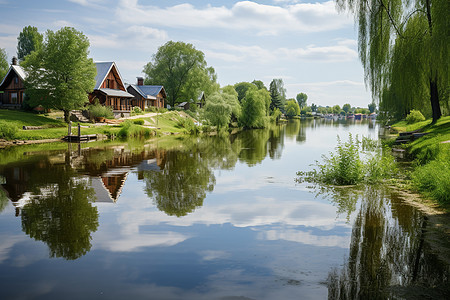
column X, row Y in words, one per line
column 353, row 162
column 433, row 178
column 138, row 121
column 129, row 129
column 7, row 131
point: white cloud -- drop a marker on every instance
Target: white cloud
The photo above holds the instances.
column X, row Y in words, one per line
column 243, row 15
column 142, row 33
column 87, row 2
column 336, row 53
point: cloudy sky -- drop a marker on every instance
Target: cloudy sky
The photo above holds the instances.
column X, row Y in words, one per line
column 309, row 45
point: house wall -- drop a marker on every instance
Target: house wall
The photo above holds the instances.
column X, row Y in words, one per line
column 14, row 91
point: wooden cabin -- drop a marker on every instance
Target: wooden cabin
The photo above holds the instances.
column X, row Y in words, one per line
column 201, row 100
column 146, row 96
column 110, row 89
column 13, row 87
column 184, row 105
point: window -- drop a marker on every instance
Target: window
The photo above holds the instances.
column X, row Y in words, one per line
column 13, row 98
column 107, row 83
column 16, row 80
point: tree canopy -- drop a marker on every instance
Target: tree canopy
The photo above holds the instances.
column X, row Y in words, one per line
column 277, row 94
column 403, row 46
column 346, row 107
column 182, row 70
column 60, row 75
column 292, row 108
column 4, row 66
column 254, row 108
column 242, row 88
column 301, row 99
column 218, row 109
column 29, row 40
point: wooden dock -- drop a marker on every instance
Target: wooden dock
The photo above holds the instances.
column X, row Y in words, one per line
column 79, row 137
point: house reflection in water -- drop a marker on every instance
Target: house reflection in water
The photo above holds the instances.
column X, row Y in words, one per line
column 105, row 169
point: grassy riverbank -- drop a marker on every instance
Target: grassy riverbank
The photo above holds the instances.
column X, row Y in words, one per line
column 52, row 126
column 431, row 154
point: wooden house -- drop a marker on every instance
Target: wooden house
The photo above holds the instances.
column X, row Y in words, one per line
column 146, row 96
column 13, row 87
column 201, row 100
column 110, row 89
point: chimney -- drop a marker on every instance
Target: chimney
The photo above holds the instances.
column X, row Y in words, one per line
column 140, row 80
column 14, row 61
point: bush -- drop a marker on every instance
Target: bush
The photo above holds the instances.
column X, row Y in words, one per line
column 137, row 110
column 414, row 117
column 346, row 167
column 138, row 121
column 97, row 110
column 7, row 131
column 129, row 129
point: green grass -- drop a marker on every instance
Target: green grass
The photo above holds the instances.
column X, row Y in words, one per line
column 167, row 122
column 19, row 119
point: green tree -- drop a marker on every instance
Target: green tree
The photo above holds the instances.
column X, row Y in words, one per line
column 4, row 66
column 254, row 109
column 181, row 69
column 336, row 109
column 403, row 46
column 347, row 107
column 218, row 110
column 60, row 75
column 259, row 84
column 292, row 108
column 277, row 94
column 372, row 107
column 200, row 80
column 29, row 40
column 229, row 89
column 301, row 99
column 242, row 88
column 313, row 107
column 63, row 219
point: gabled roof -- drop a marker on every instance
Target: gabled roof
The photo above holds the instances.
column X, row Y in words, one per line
column 103, row 69
column 148, row 91
column 18, row 70
column 200, row 96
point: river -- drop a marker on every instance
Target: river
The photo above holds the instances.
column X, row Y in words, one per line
column 217, row 217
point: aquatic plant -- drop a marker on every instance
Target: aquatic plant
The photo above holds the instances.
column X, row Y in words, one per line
column 353, row 162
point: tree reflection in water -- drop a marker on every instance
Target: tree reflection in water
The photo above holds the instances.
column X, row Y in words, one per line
column 388, row 257
column 62, row 217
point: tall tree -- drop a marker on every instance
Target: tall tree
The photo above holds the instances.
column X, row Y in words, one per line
column 372, row 106
column 301, row 99
column 254, row 109
column 347, row 107
column 60, row 75
column 403, row 46
column 242, row 88
column 29, row 40
column 4, row 66
column 175, row 66
column 277, row 94
column 259, row 84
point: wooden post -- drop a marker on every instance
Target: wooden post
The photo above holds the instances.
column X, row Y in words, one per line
column 69, row 133
column 79, row 131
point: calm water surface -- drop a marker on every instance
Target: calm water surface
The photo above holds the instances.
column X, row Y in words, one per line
column 204, row 218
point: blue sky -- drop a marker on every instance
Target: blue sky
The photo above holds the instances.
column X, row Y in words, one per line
column 309, row 45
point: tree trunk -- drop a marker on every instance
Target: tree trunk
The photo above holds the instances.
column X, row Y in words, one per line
column 66, row 116
column 434, row 98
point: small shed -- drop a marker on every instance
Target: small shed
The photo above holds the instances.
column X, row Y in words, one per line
column 184, row 105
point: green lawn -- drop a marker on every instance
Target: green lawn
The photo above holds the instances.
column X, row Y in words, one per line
column 20, row 118
column 167, row 122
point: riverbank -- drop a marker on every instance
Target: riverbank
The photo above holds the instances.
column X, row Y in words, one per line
column 430, row 154
column 18, row 128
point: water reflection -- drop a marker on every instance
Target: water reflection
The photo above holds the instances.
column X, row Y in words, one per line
column 387, row 256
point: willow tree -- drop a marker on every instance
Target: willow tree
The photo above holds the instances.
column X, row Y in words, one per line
column 403, row 46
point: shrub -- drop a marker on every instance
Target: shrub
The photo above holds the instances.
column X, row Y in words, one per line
column 97, row 110
column 414, row 117
column 7, row 131
column 129, row 129
column 137, row 110
column 138, row 121
column 346, row 167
